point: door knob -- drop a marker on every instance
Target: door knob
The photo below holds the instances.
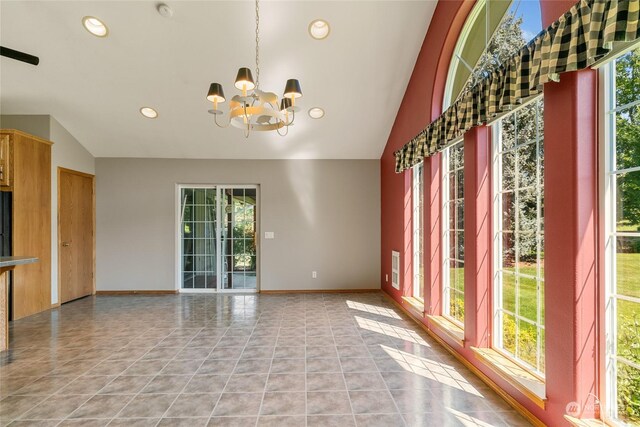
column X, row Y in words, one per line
column 66, row 244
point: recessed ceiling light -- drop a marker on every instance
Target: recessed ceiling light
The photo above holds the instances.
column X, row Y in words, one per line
column 149, row 112
column 316, row 113
column 164, row 10
column 95, row 26
column 319, row 29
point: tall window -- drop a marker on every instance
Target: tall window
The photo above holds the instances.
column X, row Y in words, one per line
column 453, row 232
column 418, row 231
column 519, row 236
column 622, row 240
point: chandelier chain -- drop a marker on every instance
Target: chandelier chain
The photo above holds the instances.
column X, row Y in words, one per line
column 257, row 45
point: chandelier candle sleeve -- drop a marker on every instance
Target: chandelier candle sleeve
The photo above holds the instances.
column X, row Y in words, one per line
column 244, row 80
column 216, row 94
column 292, row 90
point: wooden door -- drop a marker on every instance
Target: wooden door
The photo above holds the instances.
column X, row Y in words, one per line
column 75, row 234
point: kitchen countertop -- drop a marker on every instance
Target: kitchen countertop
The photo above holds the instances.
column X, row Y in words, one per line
column 10, row 261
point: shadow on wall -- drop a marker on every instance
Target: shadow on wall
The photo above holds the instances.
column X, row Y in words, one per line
column 302, row 177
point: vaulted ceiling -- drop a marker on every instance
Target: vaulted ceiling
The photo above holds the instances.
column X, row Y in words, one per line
column 96, row 86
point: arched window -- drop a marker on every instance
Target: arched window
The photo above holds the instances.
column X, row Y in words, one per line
column 493, row 32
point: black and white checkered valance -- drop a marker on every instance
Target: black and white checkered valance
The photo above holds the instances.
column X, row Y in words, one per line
column 581, row 37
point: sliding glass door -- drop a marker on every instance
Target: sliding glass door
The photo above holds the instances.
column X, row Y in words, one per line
column 238, row 238
column 217, row 232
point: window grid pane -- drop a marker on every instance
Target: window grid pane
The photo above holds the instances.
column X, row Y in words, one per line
column 622, row 243
column 519, row 224
column 418, row 231
column 453, row 232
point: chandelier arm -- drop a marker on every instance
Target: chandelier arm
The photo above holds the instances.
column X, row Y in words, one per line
column 285, row 125
column 246, row 134
column 286, row 131
column 215, row 119
column 244, row 107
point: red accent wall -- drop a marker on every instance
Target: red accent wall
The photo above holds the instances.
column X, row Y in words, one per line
column 571, row 268
column 422, row 102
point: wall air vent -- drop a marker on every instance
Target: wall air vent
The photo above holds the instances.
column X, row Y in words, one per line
column 395, row 269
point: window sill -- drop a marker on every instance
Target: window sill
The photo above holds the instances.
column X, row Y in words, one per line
column 415, row 305
column 452, row 330
column 523, row 380
column 585, row 423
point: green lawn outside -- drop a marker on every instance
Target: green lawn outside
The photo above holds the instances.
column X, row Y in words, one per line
column 527, row 291
column 628, row 265
column 629, row 274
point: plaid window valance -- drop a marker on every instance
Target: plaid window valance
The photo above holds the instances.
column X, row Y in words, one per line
column 582, row 36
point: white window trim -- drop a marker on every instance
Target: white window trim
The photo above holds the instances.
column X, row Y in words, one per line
column 497, row 285
column 610, row 368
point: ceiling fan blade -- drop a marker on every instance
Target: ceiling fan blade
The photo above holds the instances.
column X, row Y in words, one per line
column 19, row 56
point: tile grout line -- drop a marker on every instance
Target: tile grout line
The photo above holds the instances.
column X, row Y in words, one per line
column 108, row 383
column 190, row 378
column 230, row 375
column 306, row 389
column 353, row 413
column 264, row 391
column 151, row 379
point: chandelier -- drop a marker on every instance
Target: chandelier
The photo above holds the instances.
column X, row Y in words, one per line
column 256, row 110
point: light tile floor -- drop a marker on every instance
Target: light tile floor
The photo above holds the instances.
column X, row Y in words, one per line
column 237, row 360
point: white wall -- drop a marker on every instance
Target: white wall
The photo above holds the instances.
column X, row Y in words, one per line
column 66, row 152
column 325, row 215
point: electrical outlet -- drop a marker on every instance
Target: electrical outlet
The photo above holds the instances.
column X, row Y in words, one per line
column 314, row 274
column 386, row 277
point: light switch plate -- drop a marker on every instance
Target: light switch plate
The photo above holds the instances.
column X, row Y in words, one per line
column 269, row 235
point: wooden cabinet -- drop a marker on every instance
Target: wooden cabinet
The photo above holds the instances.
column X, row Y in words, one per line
column 29, row 175
column 5, row 160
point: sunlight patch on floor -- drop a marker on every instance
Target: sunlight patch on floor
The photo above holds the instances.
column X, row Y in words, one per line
column 374, row 309
column 431, row 370
column 391, row 331
column 469, row 421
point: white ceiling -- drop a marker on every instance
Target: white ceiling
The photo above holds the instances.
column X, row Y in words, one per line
column 95, row 87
